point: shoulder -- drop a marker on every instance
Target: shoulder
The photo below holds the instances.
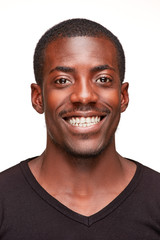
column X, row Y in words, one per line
column 12, row 179
column 151, row 175
column 149, row 185
column 146, row 184
column 11, row 184
column 9, row 175
column 146, row 174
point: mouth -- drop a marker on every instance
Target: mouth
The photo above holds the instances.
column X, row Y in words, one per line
column 83, row 122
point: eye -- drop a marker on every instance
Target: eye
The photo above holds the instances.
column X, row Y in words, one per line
column 104, row 80
column 62, row 81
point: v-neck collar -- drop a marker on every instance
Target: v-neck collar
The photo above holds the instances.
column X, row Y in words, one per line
column 88, row 221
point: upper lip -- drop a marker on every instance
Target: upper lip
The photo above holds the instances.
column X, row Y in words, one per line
column 84, row 114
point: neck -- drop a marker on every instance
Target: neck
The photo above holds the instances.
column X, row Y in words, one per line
column 84, row 185
column 57, row 167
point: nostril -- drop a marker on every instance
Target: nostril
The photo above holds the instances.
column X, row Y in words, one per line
column 84, row 98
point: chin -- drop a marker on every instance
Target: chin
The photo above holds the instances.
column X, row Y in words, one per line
column 84, row 153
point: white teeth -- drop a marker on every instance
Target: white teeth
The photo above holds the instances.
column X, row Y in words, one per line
column 84, row 122
column 77, row 120
column 92, row 120
column 88, row 120
column 73, row 120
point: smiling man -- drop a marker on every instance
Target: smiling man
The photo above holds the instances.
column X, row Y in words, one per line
column 80, row 187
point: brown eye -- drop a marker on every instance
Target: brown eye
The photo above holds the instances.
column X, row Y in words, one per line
column 103, row 80
column 62, row 81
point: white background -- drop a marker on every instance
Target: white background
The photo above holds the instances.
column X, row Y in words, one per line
column 137, row 25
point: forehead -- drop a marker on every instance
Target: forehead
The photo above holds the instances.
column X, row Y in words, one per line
column 81, row 50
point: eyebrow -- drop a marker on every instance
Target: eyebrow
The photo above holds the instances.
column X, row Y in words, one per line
column 101, row 68
column 62, row 69
column 69, row 69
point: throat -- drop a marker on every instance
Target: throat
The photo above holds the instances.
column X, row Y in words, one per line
column 86, row 205
column 84, row 189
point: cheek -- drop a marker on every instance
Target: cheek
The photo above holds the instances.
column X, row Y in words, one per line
column 112, row 97
column 52, row 100
column 50, row 106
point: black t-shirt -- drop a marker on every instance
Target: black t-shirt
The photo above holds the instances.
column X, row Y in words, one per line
column 28, row 212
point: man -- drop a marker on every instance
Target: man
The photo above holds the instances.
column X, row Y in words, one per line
column 80, row 187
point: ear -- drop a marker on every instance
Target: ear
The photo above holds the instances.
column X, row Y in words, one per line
column 36, row 97
column 124, row 96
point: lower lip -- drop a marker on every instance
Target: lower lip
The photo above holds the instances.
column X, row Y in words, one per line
column 89, row 129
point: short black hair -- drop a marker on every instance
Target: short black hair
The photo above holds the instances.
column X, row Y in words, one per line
column 75, row 28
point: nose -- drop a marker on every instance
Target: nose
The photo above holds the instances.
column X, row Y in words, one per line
column 83, row 92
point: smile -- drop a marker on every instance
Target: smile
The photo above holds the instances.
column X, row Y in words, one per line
column 84, row 121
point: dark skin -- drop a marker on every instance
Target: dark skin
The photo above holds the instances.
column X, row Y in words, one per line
column 80, row 166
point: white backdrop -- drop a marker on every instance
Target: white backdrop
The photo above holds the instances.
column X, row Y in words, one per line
column 137, row 25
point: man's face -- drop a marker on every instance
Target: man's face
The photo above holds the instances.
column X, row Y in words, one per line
column 82, row 94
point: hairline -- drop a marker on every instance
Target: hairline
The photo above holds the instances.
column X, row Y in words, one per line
column 77, row 27
column 54, row 39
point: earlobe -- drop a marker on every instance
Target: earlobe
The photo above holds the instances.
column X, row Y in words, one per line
column 124, row 96
column 36, row 97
